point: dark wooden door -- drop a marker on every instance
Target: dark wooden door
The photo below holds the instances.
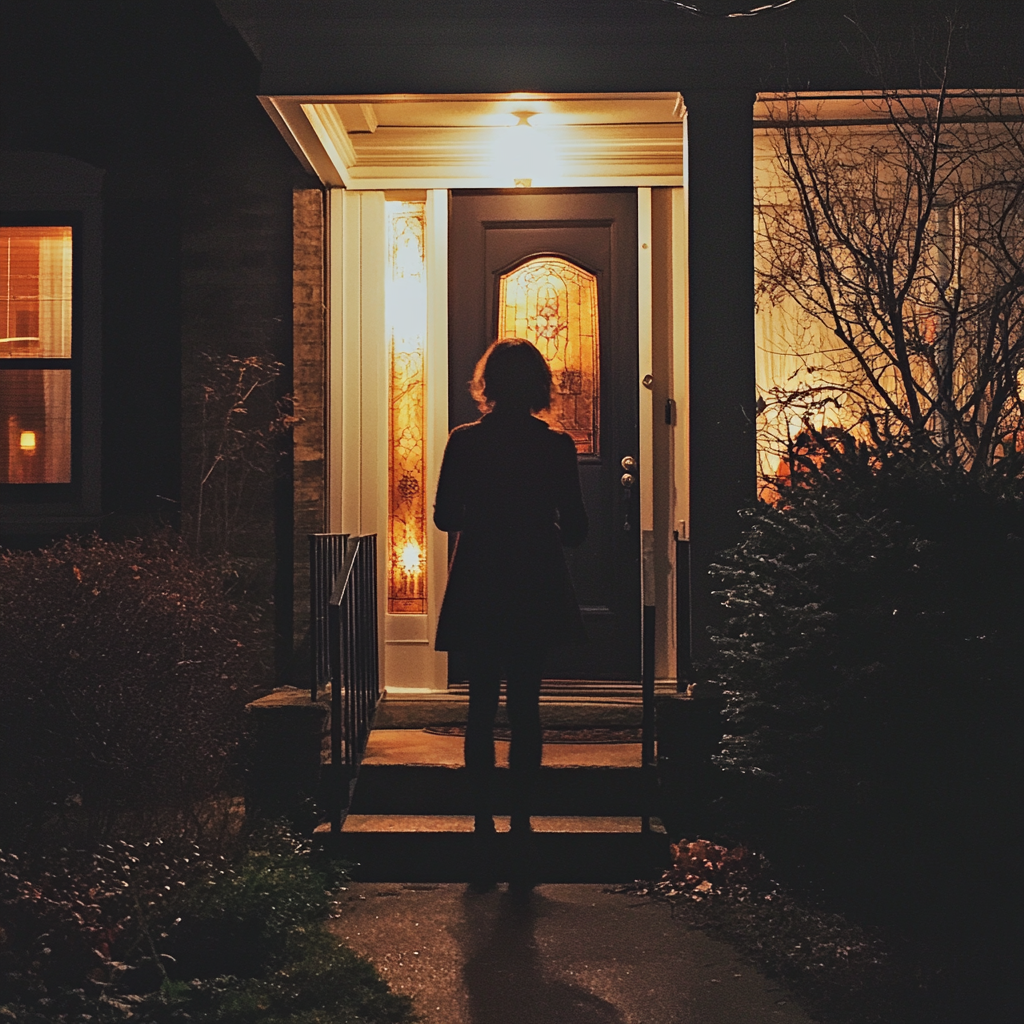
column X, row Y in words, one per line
column 491, row 234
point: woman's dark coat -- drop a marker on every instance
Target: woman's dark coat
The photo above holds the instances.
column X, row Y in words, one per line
column 510, row 487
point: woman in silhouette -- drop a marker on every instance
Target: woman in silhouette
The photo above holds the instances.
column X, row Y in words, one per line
column 509, row 486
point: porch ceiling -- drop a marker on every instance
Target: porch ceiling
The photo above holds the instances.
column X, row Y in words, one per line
column 480, row 141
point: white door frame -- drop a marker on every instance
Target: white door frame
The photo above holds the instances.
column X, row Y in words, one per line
column 357, row 389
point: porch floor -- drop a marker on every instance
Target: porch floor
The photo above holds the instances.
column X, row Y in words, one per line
column 419, row 747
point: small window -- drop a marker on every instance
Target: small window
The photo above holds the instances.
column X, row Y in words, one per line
column 36, row 354
column 51, row 284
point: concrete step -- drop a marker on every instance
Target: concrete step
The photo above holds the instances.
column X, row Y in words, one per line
column 425, row 789
column 442, row 848
column 409, row 771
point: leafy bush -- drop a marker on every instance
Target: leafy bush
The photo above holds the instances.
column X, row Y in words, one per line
column 125, row 671
column 872, row 666
column 71, row 915
column 157, row 936
column 245, row 914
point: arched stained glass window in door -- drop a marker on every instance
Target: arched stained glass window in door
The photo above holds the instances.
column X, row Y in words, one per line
column 553, row 303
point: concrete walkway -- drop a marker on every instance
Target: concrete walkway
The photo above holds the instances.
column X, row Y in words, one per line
column 564, row 954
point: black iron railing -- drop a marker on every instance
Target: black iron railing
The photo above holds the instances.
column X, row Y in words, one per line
column 349, row 656
column 326, row 555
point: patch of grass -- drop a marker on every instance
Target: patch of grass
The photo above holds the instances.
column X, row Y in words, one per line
column 241, row 918
column 320, row 981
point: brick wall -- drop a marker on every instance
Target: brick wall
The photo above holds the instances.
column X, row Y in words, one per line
column 309, row 365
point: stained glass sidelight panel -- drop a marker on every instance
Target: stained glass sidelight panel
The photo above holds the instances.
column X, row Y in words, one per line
column 405, row 325
column 553, row 303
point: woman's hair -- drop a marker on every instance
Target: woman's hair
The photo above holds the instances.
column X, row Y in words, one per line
column 511, row 374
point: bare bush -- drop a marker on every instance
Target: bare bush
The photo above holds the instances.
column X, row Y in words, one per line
column 125, row 671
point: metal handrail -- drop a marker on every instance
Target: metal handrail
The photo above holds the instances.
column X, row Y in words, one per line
column 353, row 662
column 326, row 555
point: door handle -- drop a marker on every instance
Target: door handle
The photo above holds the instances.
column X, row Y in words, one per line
column 626, row 481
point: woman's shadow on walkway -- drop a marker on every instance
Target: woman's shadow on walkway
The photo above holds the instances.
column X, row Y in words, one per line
column 504, row 973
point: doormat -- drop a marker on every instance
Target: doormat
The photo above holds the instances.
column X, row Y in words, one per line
column 550, row 735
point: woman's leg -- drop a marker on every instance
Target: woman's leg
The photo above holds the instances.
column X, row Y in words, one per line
column 522, row 697
column 484, row 688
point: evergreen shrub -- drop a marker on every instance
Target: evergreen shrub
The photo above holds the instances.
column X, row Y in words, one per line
column 872, row 666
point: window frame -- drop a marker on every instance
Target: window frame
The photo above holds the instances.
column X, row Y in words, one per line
column 34, row 494
column 39, row 189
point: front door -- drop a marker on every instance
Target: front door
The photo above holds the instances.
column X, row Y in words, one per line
column 560, row 269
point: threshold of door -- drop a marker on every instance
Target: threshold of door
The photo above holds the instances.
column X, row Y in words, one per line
column 562, row 689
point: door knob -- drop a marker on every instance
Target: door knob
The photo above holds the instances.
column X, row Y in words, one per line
column 627, row 480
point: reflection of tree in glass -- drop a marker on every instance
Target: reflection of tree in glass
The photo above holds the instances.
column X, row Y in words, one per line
column 891, row 278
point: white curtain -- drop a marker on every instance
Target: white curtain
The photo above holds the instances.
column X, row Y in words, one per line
column 55, row 343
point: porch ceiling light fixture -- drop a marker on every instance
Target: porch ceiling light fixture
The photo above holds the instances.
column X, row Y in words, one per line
column 522, row 153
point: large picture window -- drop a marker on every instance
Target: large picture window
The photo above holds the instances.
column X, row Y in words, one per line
column 36, row 353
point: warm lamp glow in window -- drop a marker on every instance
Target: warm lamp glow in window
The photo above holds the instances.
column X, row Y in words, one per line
column 35, row 297
column 412, row 559
column 35, row 354
column 405, row 326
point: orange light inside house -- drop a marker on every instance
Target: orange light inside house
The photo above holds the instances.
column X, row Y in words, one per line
column 412, row 559
column 35, row 292
column 553, row 303
column 405, row 327
column 35, row 354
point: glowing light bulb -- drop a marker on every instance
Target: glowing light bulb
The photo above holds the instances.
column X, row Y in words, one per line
column 28, row 441
column 412, row 559
column 522, row 153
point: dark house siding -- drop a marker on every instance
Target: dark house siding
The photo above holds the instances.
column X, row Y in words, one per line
column 197, row 205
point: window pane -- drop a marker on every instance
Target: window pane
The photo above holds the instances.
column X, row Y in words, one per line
column 405, row 326
column 35, row 426
column 553, row 303
column 35, row 292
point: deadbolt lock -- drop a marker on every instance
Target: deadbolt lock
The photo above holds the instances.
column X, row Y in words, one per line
column 629, row 464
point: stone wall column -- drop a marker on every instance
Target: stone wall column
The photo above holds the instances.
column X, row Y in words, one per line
column 723, row 462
